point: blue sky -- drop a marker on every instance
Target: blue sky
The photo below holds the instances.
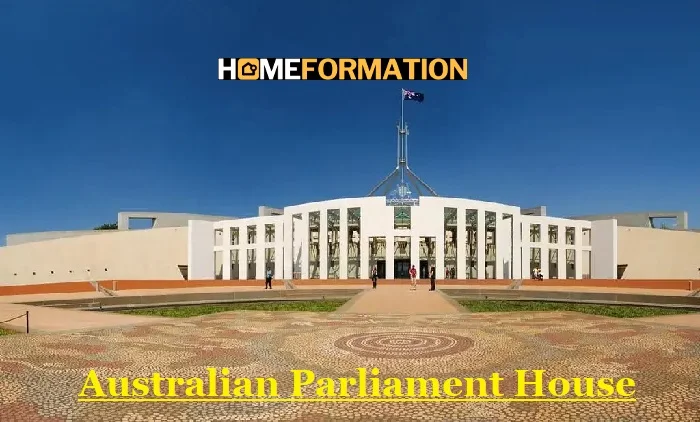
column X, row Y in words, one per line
column 115, row 105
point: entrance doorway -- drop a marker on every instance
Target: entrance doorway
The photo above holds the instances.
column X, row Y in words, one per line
column 381, row 269
column 424, row 272
column 401, row 267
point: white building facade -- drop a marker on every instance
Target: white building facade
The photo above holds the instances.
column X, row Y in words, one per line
column 345, row 238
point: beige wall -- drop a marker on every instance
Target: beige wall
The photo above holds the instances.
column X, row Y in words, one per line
column 657, row 253
column 127, row 255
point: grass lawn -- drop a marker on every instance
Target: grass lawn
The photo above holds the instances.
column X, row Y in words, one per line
column 196, row 310
column 616, row 311
column 5, row 332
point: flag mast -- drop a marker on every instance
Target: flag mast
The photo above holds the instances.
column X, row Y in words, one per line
column 402, row 172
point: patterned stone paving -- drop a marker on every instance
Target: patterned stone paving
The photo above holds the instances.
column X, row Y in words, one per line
column 41, row 375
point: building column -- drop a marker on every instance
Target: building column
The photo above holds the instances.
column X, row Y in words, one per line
column 279, row 250
column 304, row 244
column 578, row 242
column 440, row 253
column 415, row 254
column 544, row 247
column 561, row 254
column 516, row 265
column 226, row 260
column 390, row 257
column 344, row 244
column 323, row 245
column 288, row 241
column 260, row 269
column 501, row 245
column 480, row 244
column 364, row 254
column 524, row 230
column 461, row 244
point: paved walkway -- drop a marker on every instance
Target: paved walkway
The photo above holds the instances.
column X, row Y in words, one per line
column 45, row 319
column 687, row 320
column 400, row 300
column 40, row 376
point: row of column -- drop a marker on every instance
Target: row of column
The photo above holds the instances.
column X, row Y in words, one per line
column 508, row 255
column 561, row 248
column 259, row 247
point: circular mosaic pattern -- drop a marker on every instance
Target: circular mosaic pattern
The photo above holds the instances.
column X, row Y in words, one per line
column 403, row 345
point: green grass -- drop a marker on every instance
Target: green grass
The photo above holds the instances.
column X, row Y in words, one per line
column 616, row 311
column 6, row 332
column 197, row 310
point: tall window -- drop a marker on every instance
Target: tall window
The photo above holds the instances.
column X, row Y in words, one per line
column 252, row 235
column 570, row 236
column 553, row 234
column 354, row 230
column 508, row 249
column 235, row 268
column 377, row 255
column 269, row 233
column 450, row 227
column 314, row 250
column 252, row 264
column 472, row 228
column 490, row 251
column 553, row 263
column 269, row 260
column 235, row 236
column 333, row 220
column 535, row 233
column 402, row 217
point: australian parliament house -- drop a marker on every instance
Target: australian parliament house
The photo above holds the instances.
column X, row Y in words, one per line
column 402, row 222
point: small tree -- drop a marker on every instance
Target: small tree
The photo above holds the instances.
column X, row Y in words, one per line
column 107, row 226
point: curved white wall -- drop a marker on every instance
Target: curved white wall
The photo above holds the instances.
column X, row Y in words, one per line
column 126, row 255
column 377, row 220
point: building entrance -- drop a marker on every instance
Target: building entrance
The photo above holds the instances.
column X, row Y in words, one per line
column 424, row 272
column 381, row 269
column 401, row 267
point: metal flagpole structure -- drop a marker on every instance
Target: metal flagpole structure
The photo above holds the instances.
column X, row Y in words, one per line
column 402, row 172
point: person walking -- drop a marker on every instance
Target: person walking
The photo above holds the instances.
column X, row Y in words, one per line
column 432, row 278
column 268, row 279
column 374, row 277
column 412, row 272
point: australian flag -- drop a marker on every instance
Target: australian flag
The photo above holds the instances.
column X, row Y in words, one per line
column 412, row 96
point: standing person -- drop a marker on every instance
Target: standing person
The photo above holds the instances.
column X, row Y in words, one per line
column 374, row 277
column 268, row 279
column 432, row 278
column 412, row 272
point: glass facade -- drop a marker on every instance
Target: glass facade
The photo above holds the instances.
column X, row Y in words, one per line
column 472, row 228
column 314, row 249
column 490, row 245
column 402, row 217
column 354, row 236
column 333, row 220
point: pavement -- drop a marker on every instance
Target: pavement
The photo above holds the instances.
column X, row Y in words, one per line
column 387, row 299
column 400, row 300
column 42, row 374
column 44, row 319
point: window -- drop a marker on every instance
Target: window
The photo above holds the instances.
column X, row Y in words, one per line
column 235, row 235
column 553, row 234
column 333, row 251
column 450, row 257
column 252, row 235
column 354, row 230
column 269, row 233
column 471, row 238
column 535, row 235
column 570, row 236
column 402, row 217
